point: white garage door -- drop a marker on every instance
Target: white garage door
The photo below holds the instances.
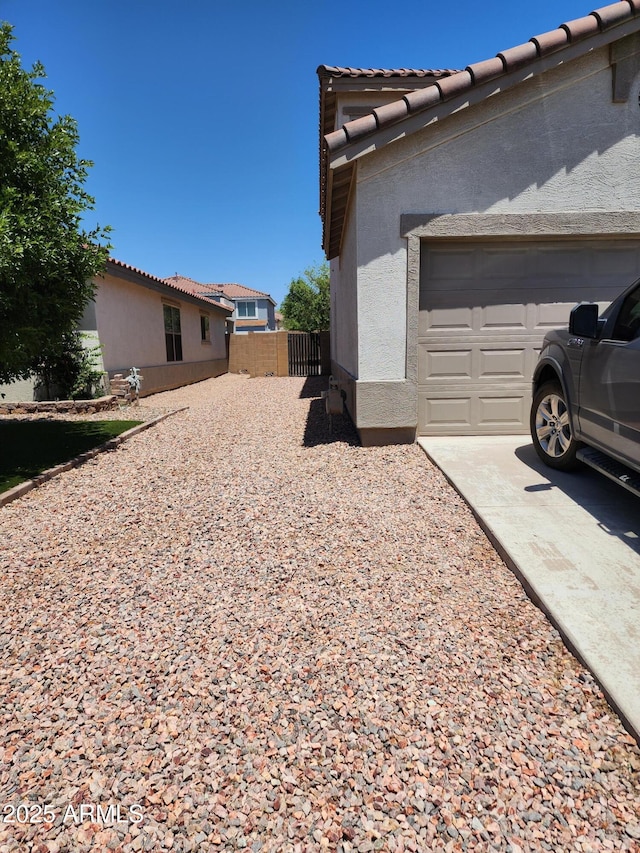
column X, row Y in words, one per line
column 484, row 310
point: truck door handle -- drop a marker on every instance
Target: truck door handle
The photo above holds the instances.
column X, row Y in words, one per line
column 575, row 342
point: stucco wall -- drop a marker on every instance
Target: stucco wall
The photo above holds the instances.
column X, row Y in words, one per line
column 22, row 389
column 344, row 300
column 131, row 327
column 556, row 143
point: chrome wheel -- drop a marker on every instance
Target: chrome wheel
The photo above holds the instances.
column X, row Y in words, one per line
column 551, row 428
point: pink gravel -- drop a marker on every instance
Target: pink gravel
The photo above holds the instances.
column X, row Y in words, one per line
column 240, row 631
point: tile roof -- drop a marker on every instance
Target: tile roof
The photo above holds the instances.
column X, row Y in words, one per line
column 239, row 291
column 229, row 290
column 481, row 72
column 391, row 81
column 179, row 286
column 451, row 85
column 337, row 71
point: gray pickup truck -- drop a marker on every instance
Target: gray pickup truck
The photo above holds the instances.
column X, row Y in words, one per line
column 586, row 391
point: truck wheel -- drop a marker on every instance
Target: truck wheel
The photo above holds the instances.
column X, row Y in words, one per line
column 551, row 428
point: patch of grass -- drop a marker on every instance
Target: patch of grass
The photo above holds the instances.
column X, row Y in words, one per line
column 27, row 448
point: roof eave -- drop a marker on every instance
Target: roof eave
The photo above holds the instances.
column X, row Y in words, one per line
column 341, row 154
column 475, row 93
column 119, row 269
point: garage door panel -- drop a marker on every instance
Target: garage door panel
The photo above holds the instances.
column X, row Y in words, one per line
column 551, row 316
column 503, row 317
column 456, row 318
column 474, row 362
column 558, row 263
column 459, row 264
column 484, row 310
column 449, row 364
column 503, row 412
column 462, row 318
column 449, row 415
column 502, row 364
column 617, row 264
column 460, row 412
column 497, row 264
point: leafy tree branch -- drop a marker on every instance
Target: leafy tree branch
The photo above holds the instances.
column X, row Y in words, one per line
column 47, row 260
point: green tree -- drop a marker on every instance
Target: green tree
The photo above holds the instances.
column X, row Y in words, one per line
column 47, row 260
column 306, row 306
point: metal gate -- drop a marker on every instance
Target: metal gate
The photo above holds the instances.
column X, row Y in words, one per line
column 305, row 357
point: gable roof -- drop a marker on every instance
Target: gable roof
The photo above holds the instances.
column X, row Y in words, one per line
column 341, row 148
column 335, row 79
column 229, row 291
column 122, row 270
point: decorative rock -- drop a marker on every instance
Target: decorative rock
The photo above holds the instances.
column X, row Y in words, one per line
column 271, row 638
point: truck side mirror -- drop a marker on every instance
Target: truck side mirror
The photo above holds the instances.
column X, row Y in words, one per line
column 583, row 321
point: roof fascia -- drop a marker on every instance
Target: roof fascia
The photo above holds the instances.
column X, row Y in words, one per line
column 340, row 85
column 339, row 189
column 158, row 286
column 253, row 295
column 478, row 93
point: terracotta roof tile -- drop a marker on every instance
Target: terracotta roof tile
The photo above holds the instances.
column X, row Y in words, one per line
column 336, row 140
column 361, row 127
column 582, row 27
column 115, row 262
column 389, row 113
column 228, row 290
column 548, row 42
column 614, row 13
column 488, row 69
column 455, row 85
column 422, row 99
column 337, row 71
column 239, row 291
column 516, row 57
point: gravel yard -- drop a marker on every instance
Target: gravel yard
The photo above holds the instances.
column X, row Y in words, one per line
column 238, row 631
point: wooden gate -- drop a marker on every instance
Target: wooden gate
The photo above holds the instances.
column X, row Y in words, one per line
column 305, row 354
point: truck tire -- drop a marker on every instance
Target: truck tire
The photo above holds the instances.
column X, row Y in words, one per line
column 551, row 428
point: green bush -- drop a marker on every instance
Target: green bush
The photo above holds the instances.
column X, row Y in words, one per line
column 69, row 371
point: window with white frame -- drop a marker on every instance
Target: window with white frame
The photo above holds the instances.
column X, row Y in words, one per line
column 246, row 309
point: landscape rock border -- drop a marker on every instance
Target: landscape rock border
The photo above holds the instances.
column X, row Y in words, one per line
column 75, row 407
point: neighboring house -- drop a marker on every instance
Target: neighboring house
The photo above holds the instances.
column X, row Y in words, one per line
column 173, row 336
column 465, row 216
column 279, row 321
column 254, row 311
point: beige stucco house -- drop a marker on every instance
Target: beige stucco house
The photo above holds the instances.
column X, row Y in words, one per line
column 174, row 335
column 465, row 212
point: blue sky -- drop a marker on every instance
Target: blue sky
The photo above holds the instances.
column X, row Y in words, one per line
column 202, row 117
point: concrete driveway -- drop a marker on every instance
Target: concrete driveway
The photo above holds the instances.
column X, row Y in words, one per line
column 574, row 539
